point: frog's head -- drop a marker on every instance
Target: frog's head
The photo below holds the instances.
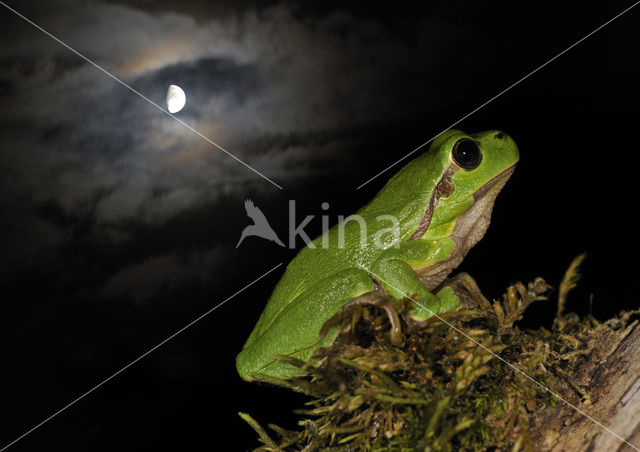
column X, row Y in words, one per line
column 476, row 167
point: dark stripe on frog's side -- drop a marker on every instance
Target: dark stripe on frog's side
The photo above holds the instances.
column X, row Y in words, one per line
column 438, row 192
column 469, row 229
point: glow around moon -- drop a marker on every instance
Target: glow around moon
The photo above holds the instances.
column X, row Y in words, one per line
column 176, row 99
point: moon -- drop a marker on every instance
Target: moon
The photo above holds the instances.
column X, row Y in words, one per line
column 175, row 99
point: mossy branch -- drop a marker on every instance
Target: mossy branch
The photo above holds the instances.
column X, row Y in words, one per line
column 441, row 389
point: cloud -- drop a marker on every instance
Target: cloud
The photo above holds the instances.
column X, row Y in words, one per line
column 289, row 94
column 252, row 81
column 165, row 273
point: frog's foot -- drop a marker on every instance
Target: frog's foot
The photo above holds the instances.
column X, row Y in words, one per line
column 467, row 291
column 421, row 311
column 373, row 298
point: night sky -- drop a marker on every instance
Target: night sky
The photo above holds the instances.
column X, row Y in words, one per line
column 119, row 225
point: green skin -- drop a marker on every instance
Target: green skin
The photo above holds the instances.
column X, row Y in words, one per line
column 442, row 209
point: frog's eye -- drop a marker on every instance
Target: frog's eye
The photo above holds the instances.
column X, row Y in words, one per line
column 466, row 154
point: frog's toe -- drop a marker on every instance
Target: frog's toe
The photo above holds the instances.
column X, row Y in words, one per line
column 445, row 300
column 468, row 292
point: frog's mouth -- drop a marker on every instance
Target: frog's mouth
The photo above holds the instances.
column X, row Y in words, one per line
column 495, row 184
column 486, row 193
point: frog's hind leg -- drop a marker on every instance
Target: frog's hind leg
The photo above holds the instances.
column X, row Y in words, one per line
column 295, row 330
column 373, row 298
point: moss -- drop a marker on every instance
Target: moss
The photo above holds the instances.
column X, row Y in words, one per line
column 461, row 382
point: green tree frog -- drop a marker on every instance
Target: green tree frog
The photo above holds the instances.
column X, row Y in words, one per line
column 439, row 204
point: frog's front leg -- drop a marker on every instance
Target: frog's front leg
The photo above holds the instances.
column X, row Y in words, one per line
column 395, row 272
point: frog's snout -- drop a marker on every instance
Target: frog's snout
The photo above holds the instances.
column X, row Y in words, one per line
column 506, row 143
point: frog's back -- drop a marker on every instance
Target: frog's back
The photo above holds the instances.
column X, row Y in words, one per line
column 405, row 197
column 307, row 270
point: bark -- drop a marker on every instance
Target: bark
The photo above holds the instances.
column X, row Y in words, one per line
column 610, row 377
